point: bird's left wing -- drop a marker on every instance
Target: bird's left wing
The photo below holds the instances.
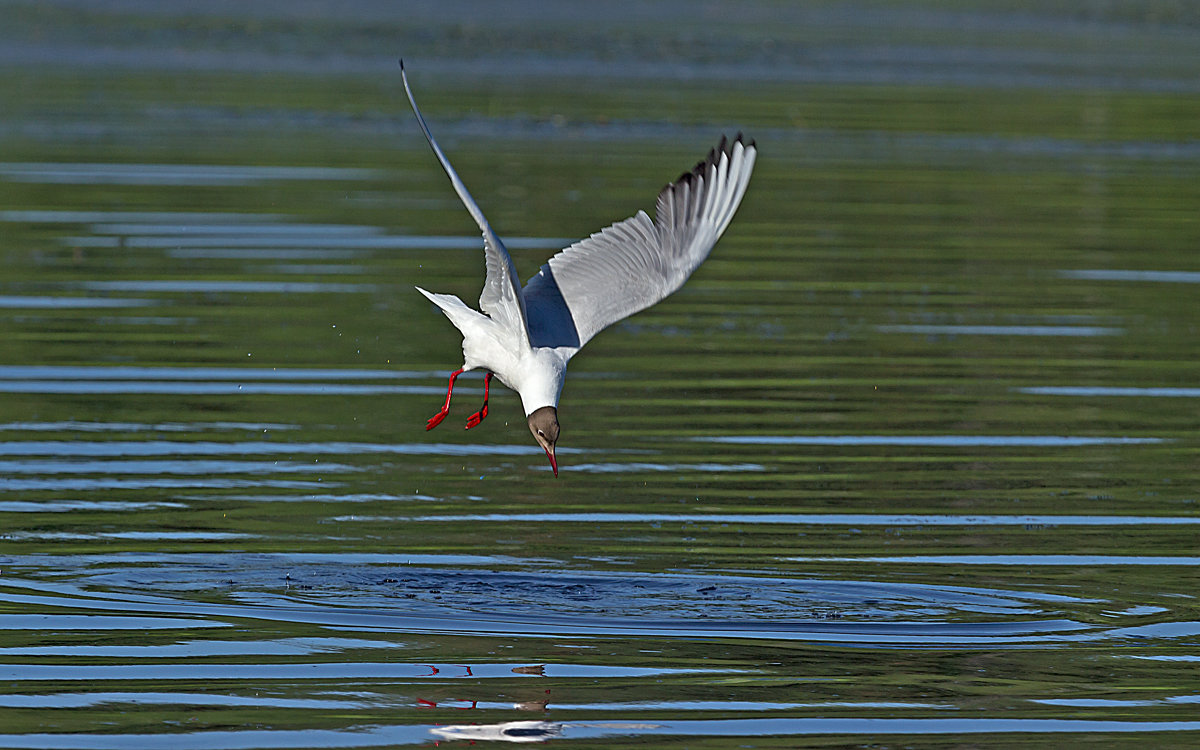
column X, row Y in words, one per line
column 501, row 297
column 634, row 263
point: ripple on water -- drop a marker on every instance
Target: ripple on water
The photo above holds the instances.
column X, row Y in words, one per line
column 169, row 174
column 190, row 286
column 934, row 441
column 837, row 519
column 124, row 372
column 202, row 388
column 54, row 302
column 167, row 468
column 1071, row 560
column 143, row 448
column 353, row 239
column 220, row 381
column 469, row 595
column 1102, row 391
column 74, row 426
column 985, row 330
column 1162, row 277
column 378, row 734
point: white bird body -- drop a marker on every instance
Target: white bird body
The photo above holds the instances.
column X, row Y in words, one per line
column 536, row 373
column 526, row 336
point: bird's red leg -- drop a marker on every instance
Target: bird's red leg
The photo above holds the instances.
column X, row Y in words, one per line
column 477, row 417
column 436, row 419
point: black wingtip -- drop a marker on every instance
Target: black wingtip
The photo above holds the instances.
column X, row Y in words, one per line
column 742, row 139
column 724, row 147
column 402, row 65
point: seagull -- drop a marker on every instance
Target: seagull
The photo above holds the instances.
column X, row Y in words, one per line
column 526, row 335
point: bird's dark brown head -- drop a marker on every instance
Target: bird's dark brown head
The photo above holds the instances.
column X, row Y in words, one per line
column 543, row 423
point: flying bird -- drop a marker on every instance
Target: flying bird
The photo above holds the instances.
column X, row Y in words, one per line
column 526, row 335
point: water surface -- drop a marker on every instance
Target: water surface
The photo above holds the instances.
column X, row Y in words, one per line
column 911, row 459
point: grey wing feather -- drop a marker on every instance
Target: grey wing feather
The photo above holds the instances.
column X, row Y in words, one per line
column 633, row 264
column 501, row 297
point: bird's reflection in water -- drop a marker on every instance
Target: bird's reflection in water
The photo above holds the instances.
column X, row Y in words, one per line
column 529, row 731
column 509, row 731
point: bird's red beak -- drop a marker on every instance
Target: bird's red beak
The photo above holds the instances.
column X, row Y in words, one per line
column 553, row 463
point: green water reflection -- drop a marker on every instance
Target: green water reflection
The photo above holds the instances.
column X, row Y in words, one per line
column 918, row 442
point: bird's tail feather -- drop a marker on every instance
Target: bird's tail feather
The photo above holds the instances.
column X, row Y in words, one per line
column 455, row 309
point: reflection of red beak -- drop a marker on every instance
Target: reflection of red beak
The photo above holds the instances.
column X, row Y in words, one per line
column 553, row 463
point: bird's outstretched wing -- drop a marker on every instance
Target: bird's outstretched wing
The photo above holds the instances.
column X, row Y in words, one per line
column 501, row 297
column 634, row 263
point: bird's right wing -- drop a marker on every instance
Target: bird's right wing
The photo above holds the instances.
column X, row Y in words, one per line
column 634, row 263
column 501, row 297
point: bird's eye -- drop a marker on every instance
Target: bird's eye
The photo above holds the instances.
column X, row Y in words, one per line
column 541, row 433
